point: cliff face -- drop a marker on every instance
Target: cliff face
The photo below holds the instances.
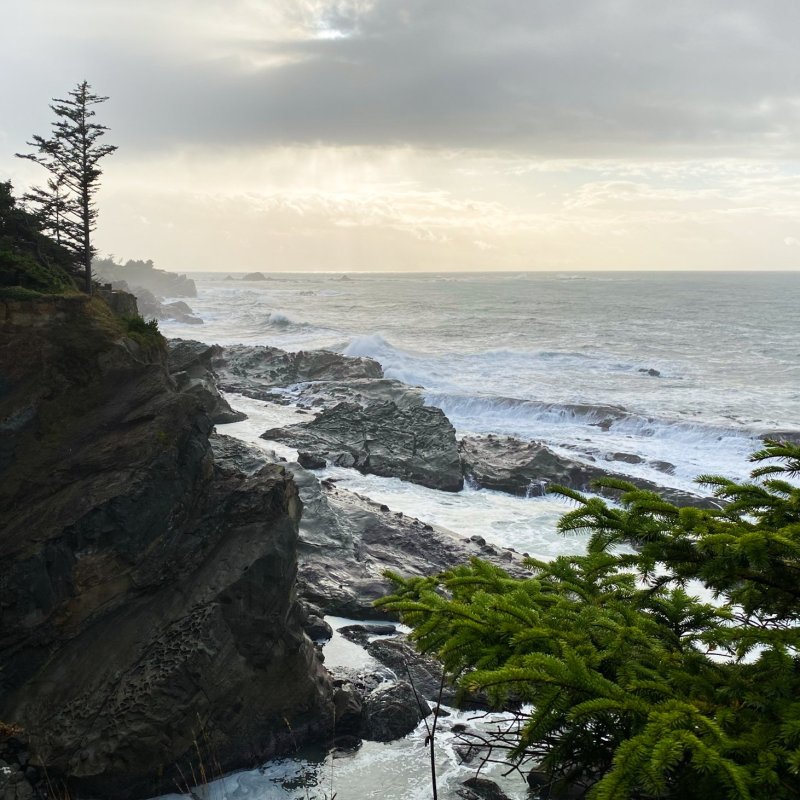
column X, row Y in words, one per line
column 146, row 592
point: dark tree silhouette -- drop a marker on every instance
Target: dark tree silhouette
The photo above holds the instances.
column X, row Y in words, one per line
column 71, row 155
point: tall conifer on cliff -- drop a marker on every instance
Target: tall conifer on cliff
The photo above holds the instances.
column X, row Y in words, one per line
column 71, row 155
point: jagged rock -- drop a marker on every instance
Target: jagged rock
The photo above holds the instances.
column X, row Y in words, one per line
column 653, row 373
column 628, row 458
column 663, row 466
column 151, row 306
column 481, row 789
column 416, row 444
column 147, row 596
column 525, row 468
column 310, row 461
column 423, row 672
column 233, row 456
column 360, row 633
column 782, row 436
column 180, row 312
column 347, row 543
column 254, row 371
column 317, row 629
column 392, row 711
column 190, row 366
column 348, row 711
column 121, row 302
column 323, row 395
column 517, row 467
column 255, row 276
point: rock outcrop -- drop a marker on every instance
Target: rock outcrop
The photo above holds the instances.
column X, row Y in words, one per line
column 391, row 711
column 348, row 541
column 368, row 422
column 190, row 366
column 152, row 306
column 416, row 444
column 525, row 468
column 256, row 371
column 144, row 274
column 147, row 589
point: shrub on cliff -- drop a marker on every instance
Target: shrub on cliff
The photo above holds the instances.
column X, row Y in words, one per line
column 144, row 332
column 29, row 260
column 637, row 689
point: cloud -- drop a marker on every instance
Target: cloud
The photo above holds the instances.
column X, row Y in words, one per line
column 576, row 78
column 405, row 135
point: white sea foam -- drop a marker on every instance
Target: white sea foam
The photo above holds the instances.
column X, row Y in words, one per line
column 278, row 318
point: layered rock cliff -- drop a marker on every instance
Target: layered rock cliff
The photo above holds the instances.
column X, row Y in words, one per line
column 147, row 590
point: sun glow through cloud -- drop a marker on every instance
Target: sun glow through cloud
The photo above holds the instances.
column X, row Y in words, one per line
column 366, row 134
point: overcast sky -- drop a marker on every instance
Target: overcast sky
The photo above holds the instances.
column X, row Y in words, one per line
column 426, row 134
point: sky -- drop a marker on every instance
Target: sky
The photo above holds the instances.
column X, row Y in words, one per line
column 425, row 134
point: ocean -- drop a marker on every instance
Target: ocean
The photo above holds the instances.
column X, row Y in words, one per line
column 664, row 376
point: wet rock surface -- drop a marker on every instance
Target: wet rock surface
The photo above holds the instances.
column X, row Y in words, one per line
column 361, row 634
column 416, row 444
column 481, row 789
column 190, row 367
column 526, row 468
column 423, row 672
column 258, row 371
column 348, row 541
column 391, row 711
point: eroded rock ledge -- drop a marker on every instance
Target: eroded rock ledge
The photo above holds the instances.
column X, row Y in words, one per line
column 524, row 468
column 383, row 427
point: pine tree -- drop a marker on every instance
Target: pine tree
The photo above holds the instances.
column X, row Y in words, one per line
column 55, row 210
column 29, row 259
column 71, row 155
column 637, row 689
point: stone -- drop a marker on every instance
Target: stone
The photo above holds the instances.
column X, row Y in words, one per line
column 481, row 789
column 628, row 458
column 392, row 711
column 190, row 367
column 348, row 711
column 347, row 543
column 422, row 671
column 360, row 634
column 310, row 461
column 416, row 444
column 525, row 468
column 663, row 466
column 256, row 371
column 317, row 629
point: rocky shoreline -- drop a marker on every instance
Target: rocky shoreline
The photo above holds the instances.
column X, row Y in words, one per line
column 160, row 579
column 383, row 427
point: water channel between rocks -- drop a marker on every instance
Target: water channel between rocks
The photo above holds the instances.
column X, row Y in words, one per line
column 398, row 770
